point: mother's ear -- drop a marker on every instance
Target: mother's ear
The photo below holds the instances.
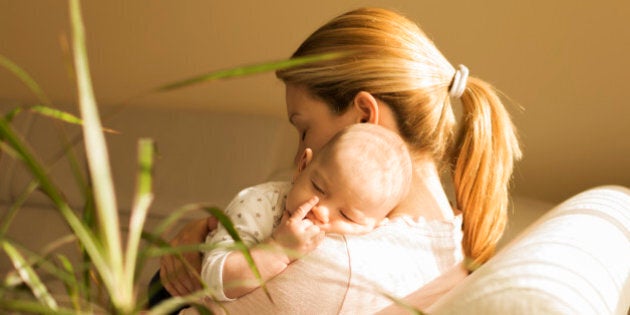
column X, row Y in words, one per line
column 305, row 160
column 367, row 106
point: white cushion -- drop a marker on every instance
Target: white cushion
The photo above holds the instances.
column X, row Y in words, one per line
column 574, row 260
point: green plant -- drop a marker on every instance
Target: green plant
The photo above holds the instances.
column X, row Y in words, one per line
column 107, row 281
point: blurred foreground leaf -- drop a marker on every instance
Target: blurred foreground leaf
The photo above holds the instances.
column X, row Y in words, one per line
column 61, row 115
column 25, row 78
column 30, row 278
column 248, row 70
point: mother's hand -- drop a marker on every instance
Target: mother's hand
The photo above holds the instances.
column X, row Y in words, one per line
column 180, row 278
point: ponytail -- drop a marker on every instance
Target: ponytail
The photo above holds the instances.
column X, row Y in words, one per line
column 484, row 155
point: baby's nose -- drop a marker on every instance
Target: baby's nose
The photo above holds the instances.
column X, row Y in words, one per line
column 321, row 213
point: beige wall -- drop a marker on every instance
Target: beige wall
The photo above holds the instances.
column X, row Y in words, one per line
column 563, row 62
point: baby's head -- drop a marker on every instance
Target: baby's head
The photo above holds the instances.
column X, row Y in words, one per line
column 360, row 176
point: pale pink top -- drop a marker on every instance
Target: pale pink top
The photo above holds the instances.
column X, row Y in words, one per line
column 355, row 274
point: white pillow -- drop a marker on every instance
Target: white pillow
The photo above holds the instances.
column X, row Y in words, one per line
column 573, row 260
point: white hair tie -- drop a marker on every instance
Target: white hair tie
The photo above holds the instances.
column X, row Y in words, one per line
column 459, row 82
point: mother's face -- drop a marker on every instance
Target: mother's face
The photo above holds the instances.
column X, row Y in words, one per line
column 313, row 119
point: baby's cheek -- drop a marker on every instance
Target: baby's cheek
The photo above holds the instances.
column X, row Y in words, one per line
column 289, row 207
column 348, row 228
column 334, row 228
column 290, row 203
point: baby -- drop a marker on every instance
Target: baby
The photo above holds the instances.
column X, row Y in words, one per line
column 348, row 188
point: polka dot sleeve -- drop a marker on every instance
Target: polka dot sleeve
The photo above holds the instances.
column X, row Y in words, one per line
column 254, row 212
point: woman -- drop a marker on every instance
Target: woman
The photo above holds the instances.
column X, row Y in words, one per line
column 391, row 74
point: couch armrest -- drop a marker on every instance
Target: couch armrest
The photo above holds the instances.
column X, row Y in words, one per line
column 573, row 260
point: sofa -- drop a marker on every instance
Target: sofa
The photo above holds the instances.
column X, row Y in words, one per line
column 571, row 258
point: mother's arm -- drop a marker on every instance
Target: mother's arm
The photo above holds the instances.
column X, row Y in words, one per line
column 180, row 278
column 356, row 274
column 429, row 293
column 316, row 283
column 298, row 291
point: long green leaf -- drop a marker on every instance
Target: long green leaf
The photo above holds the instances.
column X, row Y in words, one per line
column 44, row 262
column 89, row 219
column 25, row 78
column 164, row 248
column 4, row 148
column 229, row 227
column 175, row 216
column 98, row 164
column 57, row 114
column 175, row 303
column 155, row 237
column 72, row 286
column 226, row 222
column 29, row 276
column 46, row 109
column 8, row 217
column 142, row 201
column 61, row 115
column 12, row 113
column 83, row 234
column 248, row 70
column 31, row 307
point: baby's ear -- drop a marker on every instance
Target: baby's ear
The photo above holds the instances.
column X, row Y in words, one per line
column 305, row 160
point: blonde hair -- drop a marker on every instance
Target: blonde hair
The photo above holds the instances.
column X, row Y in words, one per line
column 389, row 56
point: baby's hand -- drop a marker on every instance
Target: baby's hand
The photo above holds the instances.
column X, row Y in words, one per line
column 297, row 233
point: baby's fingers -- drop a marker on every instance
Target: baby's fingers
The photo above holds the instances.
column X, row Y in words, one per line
column 315, row 236
column 301, row 212
column 319, row 238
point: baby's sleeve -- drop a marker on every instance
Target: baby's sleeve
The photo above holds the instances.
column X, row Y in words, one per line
column 251, row 215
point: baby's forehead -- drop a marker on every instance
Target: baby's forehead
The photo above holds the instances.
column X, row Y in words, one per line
column 362, row 176
column 377, row 176
column 365, row 162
